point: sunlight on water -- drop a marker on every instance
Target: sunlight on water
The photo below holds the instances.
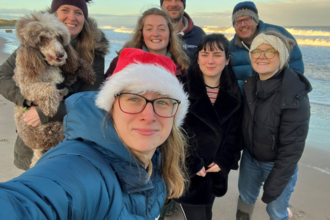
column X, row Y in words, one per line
column 314, row 42
column 308, row 32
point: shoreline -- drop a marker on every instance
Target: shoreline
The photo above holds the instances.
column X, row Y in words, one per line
column 310, row 200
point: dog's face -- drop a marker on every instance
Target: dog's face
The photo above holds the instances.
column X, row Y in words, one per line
column 52, row 48
column 43, row 32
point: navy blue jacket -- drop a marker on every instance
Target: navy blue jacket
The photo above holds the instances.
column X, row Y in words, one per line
column 240, row 60
column 191, row 37
column 90, row 175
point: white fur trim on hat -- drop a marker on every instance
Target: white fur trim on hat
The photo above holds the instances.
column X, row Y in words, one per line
column 141, row 78
column 275, row 42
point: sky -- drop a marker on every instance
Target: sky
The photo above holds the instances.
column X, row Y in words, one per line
column 119, row 13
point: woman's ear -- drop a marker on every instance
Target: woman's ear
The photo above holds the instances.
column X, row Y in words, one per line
column 71, row 64
column 31, row 60
column 227, row 62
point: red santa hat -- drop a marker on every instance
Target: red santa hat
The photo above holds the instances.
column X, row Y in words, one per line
column 139, row 72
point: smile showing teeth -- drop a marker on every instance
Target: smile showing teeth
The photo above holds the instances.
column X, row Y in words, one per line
column 155, row 41
column 71, row 25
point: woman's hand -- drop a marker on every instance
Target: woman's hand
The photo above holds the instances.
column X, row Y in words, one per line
column 202, row 172
column 31, row 117
column 213, row 168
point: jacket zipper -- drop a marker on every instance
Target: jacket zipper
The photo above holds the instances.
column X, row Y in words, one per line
column 273, row 144
column 254, row 116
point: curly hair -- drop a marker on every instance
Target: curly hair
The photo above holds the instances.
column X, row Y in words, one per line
column 174, row 46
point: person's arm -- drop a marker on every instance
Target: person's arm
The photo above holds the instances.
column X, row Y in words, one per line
column 292, row 136
column 61, row 112
column 65, row 186
column 231, row 145
column 8, row 88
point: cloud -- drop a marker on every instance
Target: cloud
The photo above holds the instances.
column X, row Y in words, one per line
column 283, row 13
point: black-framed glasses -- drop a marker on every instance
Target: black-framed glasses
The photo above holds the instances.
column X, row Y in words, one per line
column 269, row 54
column 131, row 103
column 245, row 20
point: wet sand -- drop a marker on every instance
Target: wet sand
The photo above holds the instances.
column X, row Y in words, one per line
column 310, row 201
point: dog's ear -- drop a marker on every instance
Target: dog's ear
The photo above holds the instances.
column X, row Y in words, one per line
column 32, row 61
column 71, row 64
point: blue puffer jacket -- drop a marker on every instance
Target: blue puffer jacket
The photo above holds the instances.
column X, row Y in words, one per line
column 240, row 60
column 90, row 175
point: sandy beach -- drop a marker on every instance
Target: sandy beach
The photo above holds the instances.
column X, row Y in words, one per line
column 311, row 199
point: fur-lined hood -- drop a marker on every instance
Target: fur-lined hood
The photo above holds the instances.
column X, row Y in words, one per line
column 101, row 43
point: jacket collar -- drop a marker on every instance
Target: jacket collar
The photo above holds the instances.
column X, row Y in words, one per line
column 292, row 88
column 228, row 100
column 190, row 24
column 99, row 129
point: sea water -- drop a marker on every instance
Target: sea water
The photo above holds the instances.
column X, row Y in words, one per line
column 314, row 43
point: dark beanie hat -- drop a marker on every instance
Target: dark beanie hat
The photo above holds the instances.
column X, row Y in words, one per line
column 245, row 9
column 183, row 1
column 82, row 4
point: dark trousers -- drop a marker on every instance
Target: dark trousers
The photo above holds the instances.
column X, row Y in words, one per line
column 198, row 212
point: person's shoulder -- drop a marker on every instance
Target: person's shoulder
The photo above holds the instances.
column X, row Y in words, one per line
column 198, row 30
column 269, row 27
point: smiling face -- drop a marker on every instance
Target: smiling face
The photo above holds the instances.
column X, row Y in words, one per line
column 246, row 30
column 144, row 131
column 266, row 68
column 156, row 34
column 72, row 17
column 174, row 9
column 211, row 63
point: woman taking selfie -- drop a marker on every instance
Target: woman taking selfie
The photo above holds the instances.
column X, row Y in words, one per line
column 154, row 33
column 275, row 126
column 123, row 152
column 212, row 125
column 89, row 42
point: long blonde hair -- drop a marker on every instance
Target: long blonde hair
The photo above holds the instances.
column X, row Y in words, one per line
column 174, row 45
column 85, row 43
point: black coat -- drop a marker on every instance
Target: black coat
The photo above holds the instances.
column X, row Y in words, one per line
column 214, row 135
column 275, row 125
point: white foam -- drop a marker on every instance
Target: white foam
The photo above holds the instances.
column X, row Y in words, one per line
column 326, row 170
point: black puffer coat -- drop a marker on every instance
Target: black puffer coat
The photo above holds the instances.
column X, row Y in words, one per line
column 275, row 125
column 215, row 135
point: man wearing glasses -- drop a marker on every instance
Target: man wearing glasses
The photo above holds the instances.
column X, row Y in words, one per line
column 247, row 26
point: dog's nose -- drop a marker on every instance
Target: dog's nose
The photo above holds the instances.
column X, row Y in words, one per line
column 59, row 55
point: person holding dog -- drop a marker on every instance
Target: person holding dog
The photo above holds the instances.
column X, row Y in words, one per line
column 154, row 33
column 91, row 45
column 123, row 153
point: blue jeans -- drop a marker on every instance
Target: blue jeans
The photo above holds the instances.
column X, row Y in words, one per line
column 252, row 174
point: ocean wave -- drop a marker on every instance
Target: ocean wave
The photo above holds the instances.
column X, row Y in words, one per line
column 314, row 42
column 318, row 74
column 308, row 32
column 123, row 30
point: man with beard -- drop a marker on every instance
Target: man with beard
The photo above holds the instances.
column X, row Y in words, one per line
column 247, row 26
column 189, row 33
